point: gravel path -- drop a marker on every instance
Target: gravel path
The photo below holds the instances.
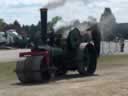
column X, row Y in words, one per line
column 110, row 80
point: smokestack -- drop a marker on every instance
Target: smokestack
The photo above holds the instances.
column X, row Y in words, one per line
column 43, row 12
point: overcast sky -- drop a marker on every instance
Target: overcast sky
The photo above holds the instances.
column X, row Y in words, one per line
column 27, row 11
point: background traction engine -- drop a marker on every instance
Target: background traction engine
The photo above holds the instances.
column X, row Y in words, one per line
column 45, row 60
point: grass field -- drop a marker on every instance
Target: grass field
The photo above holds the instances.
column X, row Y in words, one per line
column 113, row 59
column 7, row 69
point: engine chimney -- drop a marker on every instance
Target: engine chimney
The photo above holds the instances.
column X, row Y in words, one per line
column 43, row 12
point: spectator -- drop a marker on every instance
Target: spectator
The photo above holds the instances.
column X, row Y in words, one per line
column 122, row 45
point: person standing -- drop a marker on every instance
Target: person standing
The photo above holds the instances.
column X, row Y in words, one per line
column 122, row 45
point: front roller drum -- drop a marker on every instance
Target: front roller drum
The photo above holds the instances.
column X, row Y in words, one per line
column 31, row 70
column 23, row 76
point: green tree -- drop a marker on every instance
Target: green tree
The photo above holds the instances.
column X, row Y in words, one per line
column 53, row 22
column 17, row 26
column 2, row 24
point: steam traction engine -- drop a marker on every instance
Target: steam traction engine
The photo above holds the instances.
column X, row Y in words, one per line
column 46, row 60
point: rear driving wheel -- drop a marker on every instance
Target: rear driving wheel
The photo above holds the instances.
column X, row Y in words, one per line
column 87, row 66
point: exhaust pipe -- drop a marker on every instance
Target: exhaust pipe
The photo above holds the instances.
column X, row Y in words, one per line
column 43, row 12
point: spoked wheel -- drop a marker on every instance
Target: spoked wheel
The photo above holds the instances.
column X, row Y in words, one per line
column 87, row 66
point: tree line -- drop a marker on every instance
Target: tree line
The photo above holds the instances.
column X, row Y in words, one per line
column 27, row 29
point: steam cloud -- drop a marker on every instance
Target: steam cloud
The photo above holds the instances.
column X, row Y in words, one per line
column 63, row 23
column 57, row 3
column 107, row 24
column 68, row 26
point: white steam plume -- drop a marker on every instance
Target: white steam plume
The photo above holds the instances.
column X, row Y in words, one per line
column 63, row 23
column 58, row 3
column 66, row 26
column 107, row 25
column 82, row 26
column 55, row 3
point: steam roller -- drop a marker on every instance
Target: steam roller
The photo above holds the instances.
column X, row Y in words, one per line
column 48, row 60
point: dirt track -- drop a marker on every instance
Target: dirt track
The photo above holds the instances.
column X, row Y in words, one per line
column 110, row 80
